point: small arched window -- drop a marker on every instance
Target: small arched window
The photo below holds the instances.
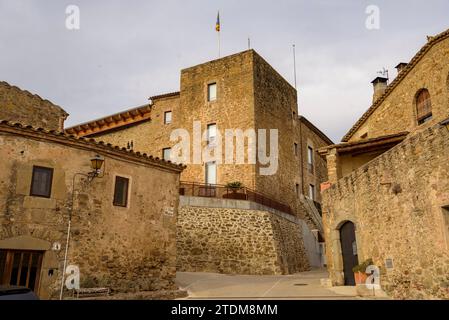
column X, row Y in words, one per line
column 423, row 106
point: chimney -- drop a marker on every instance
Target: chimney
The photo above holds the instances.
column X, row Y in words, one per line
column 401, row 66
column 380, row 85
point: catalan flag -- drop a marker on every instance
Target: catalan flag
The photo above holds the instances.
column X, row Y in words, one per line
column 217, row 25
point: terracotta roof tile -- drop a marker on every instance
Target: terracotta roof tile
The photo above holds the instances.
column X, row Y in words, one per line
column 90, row 142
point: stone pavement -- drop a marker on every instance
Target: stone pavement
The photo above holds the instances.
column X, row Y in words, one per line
column 304, row 285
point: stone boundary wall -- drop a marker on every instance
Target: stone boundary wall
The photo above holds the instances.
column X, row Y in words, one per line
column 235, row 237
column 397, row 203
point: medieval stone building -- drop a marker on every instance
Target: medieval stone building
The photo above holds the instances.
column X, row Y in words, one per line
column 387, row 198
column 121, row 206
column 243, row 92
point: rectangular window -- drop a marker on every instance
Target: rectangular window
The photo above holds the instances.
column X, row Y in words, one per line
column 212, row 92
column 312, row 192
column 121, row 192
column 167, row 117
column 297, row 189
column 310, row 159
column 166, row 154
column 211, row 133
column 41, row 182
column 295, row 148
column 211, row 173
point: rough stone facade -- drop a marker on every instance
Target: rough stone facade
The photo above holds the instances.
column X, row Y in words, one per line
column 390, row 178
column 239, row 241
column 21, row 106
column 250, row 95
column 127, row 249
column 395, row 111
column 398, row 203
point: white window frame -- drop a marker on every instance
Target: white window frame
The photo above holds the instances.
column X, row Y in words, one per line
column 166, row 113
column 169, row 154
column 310, row 156
column 312, row 192
column 210, row 97
column 211, row 134
column 207, row 174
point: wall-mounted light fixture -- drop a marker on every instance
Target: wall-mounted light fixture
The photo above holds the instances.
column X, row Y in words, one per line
column 96, row 163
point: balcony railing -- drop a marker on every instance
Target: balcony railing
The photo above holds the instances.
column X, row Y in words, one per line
column 195, row 189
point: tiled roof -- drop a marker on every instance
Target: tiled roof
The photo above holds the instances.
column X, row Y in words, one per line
column 165, row 95
column 366, row 143
column 9, row 86
column 431, row 41
column 100, row 146
column 117, row 120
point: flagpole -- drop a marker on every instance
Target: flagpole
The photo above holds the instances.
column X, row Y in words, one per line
column 218, row 29
column 294, row 64
column 219, row 45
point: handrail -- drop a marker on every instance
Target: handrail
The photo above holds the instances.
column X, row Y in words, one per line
column 241, row 193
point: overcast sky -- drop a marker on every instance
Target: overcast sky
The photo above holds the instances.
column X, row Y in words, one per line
column 126, row 51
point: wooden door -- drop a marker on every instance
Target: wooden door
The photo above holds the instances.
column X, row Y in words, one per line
column 20, row 268
column 349, row 252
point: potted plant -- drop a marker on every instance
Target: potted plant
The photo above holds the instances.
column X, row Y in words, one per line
column 360, row 271
column 234, row 187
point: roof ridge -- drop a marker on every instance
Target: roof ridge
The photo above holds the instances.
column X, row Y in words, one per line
column 316, row 129
column 94, row 143
column 165, row 95
column 147, row 105
column 14, row 87
column 401, row 75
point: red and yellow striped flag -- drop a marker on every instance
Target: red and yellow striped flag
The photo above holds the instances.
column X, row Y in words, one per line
column 217, row 24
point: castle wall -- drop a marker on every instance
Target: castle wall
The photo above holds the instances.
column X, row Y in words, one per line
column 240, row 241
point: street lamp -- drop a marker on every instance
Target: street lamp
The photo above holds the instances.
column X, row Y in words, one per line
column 96, row 163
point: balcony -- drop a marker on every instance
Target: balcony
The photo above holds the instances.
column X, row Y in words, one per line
column 194, row 189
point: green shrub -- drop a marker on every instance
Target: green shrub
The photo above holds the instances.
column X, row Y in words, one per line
column 234, row 185
column 361, row 267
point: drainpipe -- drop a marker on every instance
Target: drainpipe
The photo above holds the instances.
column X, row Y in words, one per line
column 69, row 226
column 302, row 154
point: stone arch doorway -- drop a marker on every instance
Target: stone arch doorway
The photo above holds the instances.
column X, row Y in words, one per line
column 348, row 251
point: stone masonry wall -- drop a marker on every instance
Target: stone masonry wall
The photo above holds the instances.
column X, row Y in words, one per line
column 238, row 241
column 397, row 113
column 127, row 249
column 398, row 203
column 250, row 95
column 17, row 105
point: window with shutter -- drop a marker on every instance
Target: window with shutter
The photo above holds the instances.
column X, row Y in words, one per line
column 41, row 182
column 121, row 192
column 423, row 106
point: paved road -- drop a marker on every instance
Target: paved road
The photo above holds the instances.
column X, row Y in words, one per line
column 305, row 285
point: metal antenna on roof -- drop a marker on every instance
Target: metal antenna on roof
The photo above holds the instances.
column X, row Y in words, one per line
column 384, row 73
